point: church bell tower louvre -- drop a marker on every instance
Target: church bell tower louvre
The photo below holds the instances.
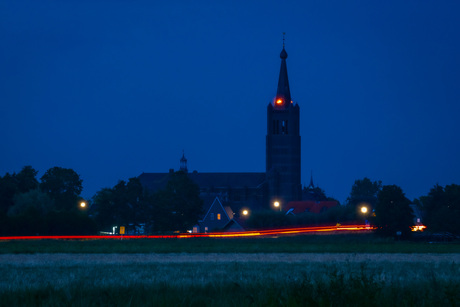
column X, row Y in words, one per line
column 283, row 143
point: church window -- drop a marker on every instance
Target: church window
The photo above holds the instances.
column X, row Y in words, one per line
column 218, row 216
column 284, row 127
column 275, row 127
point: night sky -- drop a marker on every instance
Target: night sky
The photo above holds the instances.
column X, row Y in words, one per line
column 114, row 88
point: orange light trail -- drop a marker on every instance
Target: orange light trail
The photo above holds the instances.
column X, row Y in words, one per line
column 257, row 233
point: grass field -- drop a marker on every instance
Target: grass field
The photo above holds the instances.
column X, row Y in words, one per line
column 288, row 271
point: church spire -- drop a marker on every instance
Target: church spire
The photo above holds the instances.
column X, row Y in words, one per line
column 312, row 186
column 283, row 94
column 183, row 163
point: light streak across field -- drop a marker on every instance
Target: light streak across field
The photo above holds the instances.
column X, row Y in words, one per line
column 258, row 233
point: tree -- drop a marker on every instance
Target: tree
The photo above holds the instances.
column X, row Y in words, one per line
column 124, row 204
column 33, row 202
column 178, row 206
column 64, row 186
column 103, row 209
column 363, row 192
column 8, row 188
column 441, row 208
column 314, row 193
column 393, row 212
column 12, row 184
column 26, row 179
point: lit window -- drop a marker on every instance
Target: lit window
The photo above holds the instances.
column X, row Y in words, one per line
column 218, row 216
column 284, row 127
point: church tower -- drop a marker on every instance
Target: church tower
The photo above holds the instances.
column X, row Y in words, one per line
column 283, row 143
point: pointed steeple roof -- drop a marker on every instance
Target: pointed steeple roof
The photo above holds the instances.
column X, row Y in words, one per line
column 183, row 162
column 312, row 186
column 283, row 92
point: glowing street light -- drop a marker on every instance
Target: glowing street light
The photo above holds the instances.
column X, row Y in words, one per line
column 277, row 205
column 82, row 205
column 364, row 209
column 245, row 212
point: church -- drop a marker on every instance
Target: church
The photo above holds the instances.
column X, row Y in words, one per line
column 275, row 188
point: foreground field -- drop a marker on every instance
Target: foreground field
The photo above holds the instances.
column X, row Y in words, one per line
column 230, row 279
column 286, row 271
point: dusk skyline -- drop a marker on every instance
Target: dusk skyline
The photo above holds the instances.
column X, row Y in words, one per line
column 112, row 89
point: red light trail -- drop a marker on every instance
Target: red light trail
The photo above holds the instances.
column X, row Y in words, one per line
column 255, row 233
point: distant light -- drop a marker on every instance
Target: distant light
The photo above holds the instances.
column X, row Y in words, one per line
column 276, row 204
column 279, row 101
column 364, row 209
column 245, row 212
column 418, row 228
column 83, row 204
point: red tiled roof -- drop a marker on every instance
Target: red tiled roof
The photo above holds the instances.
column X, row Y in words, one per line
column 309, row 206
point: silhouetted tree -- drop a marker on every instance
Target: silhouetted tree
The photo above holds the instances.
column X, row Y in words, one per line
column 314, row 193
column 8, row 188
column 441, row 208
column 103, row 209
column 64, row 186
column 26, row 179
column 363, row 192
column 178, row 206
column 392, row 212
column 34, row 201
column 124, row 204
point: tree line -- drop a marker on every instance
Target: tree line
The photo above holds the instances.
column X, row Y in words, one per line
column 176, row 207
column 390, row 211
column 51, row 205
column 48, row 206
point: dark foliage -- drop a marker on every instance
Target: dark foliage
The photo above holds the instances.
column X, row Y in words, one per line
column 64, row 186
column 178, row 206
column 442, row 208
column 8, row 188
column 126, row 204
column 363, row 193
column 392, row 212
column 47, row 208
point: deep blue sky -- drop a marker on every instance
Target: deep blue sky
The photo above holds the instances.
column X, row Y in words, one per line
column 116, row 88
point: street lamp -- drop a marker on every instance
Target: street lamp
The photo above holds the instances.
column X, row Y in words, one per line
column 277, row 205
column 82, row 205
column 364, row 210
column 245, row 212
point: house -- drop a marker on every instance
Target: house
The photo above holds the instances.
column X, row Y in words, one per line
column 218, row 217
